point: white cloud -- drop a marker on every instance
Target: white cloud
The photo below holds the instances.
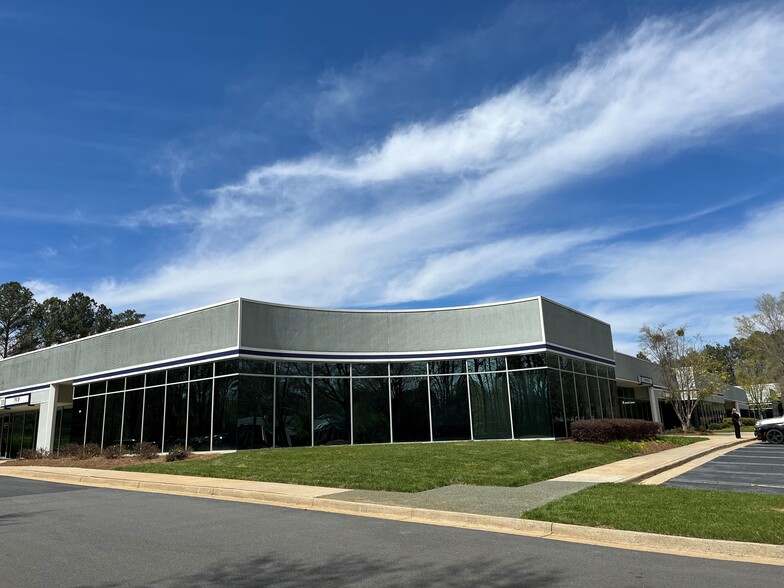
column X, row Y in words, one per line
column 438, row 206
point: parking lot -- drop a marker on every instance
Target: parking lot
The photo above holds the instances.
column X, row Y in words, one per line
column 757, row 467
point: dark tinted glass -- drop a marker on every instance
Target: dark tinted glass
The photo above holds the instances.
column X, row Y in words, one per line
column 371, row 410
column 336, row 370
column 410, row 410
column 134, row 382
column 416, row 368
column 590, row 368
column 450, row 366
column 611, row 373
column 551, row 359
column 257, row 366
column 593, row 394
column 565, row 363
column 201, row 371
column 78, row 420
column 486, row 364
column 227, row 367
column 81, row 390
column 156, row 379
column 490, row 406
column 604, row 391
column 199, row 414
column 601, row 370
column 224, row 421
column 369, row 370
column 531, row 404
column 556, row 403
column 331, row 411
column 292, row 412
column 579, row 366
column 95, row 419
column 176, row 415
column 570, row 399
column 520, row 362
column 116, row 385
column 153, row 415
column 62, row 431
column 292, row 368
column 176, row 375
column 97, row 388
column 113, row 419
column 132, row 418
column 254, row 412
column 583, row 399
column 449, row 403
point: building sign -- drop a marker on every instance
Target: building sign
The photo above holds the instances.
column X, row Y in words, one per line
column 11, row 401
column 645, row 380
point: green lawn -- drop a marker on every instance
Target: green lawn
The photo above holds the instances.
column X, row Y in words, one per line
column 406, row 467
column 709, row 514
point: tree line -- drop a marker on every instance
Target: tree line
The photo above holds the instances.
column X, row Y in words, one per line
column 691, row 370
column 27, row 325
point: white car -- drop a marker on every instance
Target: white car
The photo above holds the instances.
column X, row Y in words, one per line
column 770, row 430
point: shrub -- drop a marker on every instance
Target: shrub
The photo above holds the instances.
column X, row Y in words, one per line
column 113, row 451
column 70, row 450
column 178, row 453
column 604, row 430
column 90, row 450
column 146, row 450
column 33, row 453
column 718, row 426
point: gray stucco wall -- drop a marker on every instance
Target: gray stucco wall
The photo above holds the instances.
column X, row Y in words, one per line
column 200, row 331
column 569, row 328
column 629, row 368
column 273, row 327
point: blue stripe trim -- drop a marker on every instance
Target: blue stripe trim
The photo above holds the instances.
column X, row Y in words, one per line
column 422, row 356
column 23, row 390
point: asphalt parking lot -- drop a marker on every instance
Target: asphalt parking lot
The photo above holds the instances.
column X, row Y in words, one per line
column 757, row 467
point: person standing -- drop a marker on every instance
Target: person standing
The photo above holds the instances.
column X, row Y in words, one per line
column 735, row 415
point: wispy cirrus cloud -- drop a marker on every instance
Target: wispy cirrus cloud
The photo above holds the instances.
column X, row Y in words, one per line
column 438, row 205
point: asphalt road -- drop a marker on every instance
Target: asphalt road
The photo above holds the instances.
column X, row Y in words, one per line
column 757, row 467
column 54, row 535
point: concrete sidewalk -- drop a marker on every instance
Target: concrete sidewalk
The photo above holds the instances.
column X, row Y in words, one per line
column 474, row 507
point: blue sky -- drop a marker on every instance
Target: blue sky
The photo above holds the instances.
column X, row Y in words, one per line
column 625, row 159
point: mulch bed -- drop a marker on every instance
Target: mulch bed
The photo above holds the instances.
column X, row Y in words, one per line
column 96, row 463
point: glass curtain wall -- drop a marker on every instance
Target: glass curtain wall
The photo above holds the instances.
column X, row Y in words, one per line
column 247, row 404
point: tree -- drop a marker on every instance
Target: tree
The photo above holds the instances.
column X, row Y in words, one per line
column 752, row 373
column 685, row 370
column 16, row 309
column 764, row 332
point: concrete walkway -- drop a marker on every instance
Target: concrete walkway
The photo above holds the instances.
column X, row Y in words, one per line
column 475, row 507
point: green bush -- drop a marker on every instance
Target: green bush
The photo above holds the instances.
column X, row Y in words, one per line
column 604, row 430
column 718, row 426
column 146, row 450
column 178, row 453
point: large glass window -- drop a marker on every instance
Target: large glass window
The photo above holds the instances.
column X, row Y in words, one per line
column 176, row 415
column 415, row 368
column 78, row 420
column 225, row 421
column 95, row 419
column 486, row 364
column 570, row 399
column 201, row 371
column 604, row 390
column 132, row 423
column 410, row 410
column 255, row 412
column 257, row 366
column 558, row 415
column 337, row 370
column 113, row 419
column 490, row 405
column 199, row 413
column 447, row 366
column 153, row 415
column 371, row 410
column 369, row 370
column 593, row 393
column 520, row 362
column 331, row 411
column 583, row 401
column 293, row 368
column 292, row 412
column 449, row 402
column 530, row 403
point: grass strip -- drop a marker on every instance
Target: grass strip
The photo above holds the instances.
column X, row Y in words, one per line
column 405, row 467
column 707, row 514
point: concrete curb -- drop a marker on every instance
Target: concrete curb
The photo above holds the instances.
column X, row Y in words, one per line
column 649, row 542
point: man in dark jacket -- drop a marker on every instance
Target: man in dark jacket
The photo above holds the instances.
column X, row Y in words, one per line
column 736, row 421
